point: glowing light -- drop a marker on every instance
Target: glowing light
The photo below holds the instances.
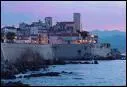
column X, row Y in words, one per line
column 94, row 41
column 90, row 41
column 92, row 35
column 15, row 37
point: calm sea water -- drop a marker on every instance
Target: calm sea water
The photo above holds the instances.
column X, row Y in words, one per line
column 106, row 73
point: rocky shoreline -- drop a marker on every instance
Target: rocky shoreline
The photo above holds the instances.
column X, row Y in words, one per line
column 31, row 62
column 18, row 83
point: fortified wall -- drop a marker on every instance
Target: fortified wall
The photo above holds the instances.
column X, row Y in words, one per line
column 13, row 51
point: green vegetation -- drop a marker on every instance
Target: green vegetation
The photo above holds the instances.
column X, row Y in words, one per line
column 10, row 36
column 84, row 34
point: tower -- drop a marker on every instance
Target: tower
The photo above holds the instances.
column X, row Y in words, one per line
column 76, row 19
column 48, row 22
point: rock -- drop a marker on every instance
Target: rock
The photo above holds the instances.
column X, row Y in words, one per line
column 77, row 78
column 59, row 62
column 19, row 77
column 52, row 74
column 14, row 84
column 95, row 62
column 63, row 72
column 72, row 62
column 34, row 69
column 86, row 63
column 42, row 74
column 70, row 72
column 67, row 72
column 2, row 83
column 7, row 75
column 8, row 70
column 53, row 66
column 10, row 77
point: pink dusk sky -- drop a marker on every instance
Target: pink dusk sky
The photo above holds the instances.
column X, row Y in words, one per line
column 101, row 15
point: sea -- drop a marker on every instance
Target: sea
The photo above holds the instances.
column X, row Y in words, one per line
column 106, row 73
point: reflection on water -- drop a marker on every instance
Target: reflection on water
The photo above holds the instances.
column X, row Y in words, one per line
column 105, row 73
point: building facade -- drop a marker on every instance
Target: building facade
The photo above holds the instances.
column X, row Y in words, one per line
column 64, row 27
column 48, row 22
column 65, row 38
column 76, row 19
column 7, row 29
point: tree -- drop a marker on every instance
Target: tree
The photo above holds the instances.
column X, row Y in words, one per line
column 10, row 36
column 84, row 34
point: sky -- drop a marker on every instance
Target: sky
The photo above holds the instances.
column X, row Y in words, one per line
column 95, row 15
